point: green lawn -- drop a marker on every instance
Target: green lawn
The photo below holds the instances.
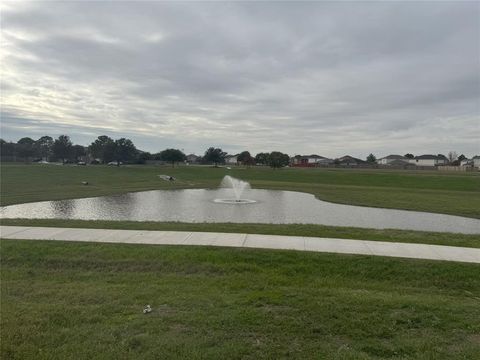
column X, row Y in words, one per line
column 450, row 193
column 84, row 301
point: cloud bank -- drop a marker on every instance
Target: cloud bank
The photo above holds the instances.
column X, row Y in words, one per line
column 319, row 77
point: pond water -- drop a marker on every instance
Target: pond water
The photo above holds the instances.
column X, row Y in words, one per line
column 270, row 206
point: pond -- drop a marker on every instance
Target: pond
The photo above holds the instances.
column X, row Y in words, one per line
column 270, row 206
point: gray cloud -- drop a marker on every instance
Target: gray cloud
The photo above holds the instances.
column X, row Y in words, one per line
column 327, row 78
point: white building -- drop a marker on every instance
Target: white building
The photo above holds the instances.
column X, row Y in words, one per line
column 231, row 159
column 310, row 160
column 476, row 161
column 429, row 160
column 390, row 158
column 192, row 158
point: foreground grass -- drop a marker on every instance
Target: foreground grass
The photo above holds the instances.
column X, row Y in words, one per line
column 81, row 301
column 405, row 236
column 449, row 193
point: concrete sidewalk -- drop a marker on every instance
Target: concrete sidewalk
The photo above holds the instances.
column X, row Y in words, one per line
column 363, row 247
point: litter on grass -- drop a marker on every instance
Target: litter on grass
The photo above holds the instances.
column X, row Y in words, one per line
column 166, row 177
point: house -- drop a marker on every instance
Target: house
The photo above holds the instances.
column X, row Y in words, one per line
column 231, row 159
column 476, row 161
column 387, row 160
column 348, row 160
column 192, row 158
column 399, row 162
column 429, row 160
column 310, row 160
column 466, row 162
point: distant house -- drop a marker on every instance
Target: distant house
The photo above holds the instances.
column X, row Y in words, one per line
column 192, row 158
column 310, row 160
column 348, row 160
column 466, row 162
column 476, row 161
column 387, row 160
column 429, row 160
column 231, row 159
column 398, row 162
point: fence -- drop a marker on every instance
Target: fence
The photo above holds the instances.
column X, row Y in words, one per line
column 456, row 168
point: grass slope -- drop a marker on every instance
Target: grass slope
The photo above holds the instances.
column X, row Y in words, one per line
column 450, row 193
column 82, row 301
column 342, row 232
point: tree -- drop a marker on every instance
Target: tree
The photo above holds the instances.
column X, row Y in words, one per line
column 409, row 156
column 277, row 159
column 143, row 156
column 262, row 158
column 62, row 147
column 25, row 148
column 44, row 147
column 461, row 157
column 214, row 155
column 7, row 150
column 124, row 150
column 245, row 158
column 78, row 151
column 249, row 162
column 103, row 148
column 452, row 156
column 172, row 156
column 371, row 158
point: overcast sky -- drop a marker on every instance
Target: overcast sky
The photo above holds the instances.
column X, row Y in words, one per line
column 319, row 77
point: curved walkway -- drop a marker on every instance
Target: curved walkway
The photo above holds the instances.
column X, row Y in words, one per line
column 330, row 245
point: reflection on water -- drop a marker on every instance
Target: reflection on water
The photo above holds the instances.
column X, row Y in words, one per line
column 62, row 209
column 276, row 207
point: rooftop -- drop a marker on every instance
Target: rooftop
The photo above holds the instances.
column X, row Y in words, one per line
column 394, row 157
column 430, row 157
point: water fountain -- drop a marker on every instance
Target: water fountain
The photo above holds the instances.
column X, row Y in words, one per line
column 237, row 187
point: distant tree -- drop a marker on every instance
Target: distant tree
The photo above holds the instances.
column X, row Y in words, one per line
column 25, row 148
column 277, row 159
column 371, row 158
column 103, row 148
column 172, row 156
column 124, row 150
column 249, row 162
column 143, row 156
column 245, row 158
column 7, row 149
column 44, row 147
column 452, row 156
column 262, row 158
column 409, row 156
column 214, row 155
column 26, row 141
column 461, row 157
column 78, row 151
column 62, row 147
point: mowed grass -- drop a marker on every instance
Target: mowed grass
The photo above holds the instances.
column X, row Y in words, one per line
column 342, row 232
column 449, row 193
column 85, row 301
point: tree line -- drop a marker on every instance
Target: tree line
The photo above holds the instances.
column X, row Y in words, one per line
column 107, row 150
column 62, row 149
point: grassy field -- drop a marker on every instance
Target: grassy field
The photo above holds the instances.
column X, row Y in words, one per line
column 342, row 232
column 83, row 301
column 449, row 193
